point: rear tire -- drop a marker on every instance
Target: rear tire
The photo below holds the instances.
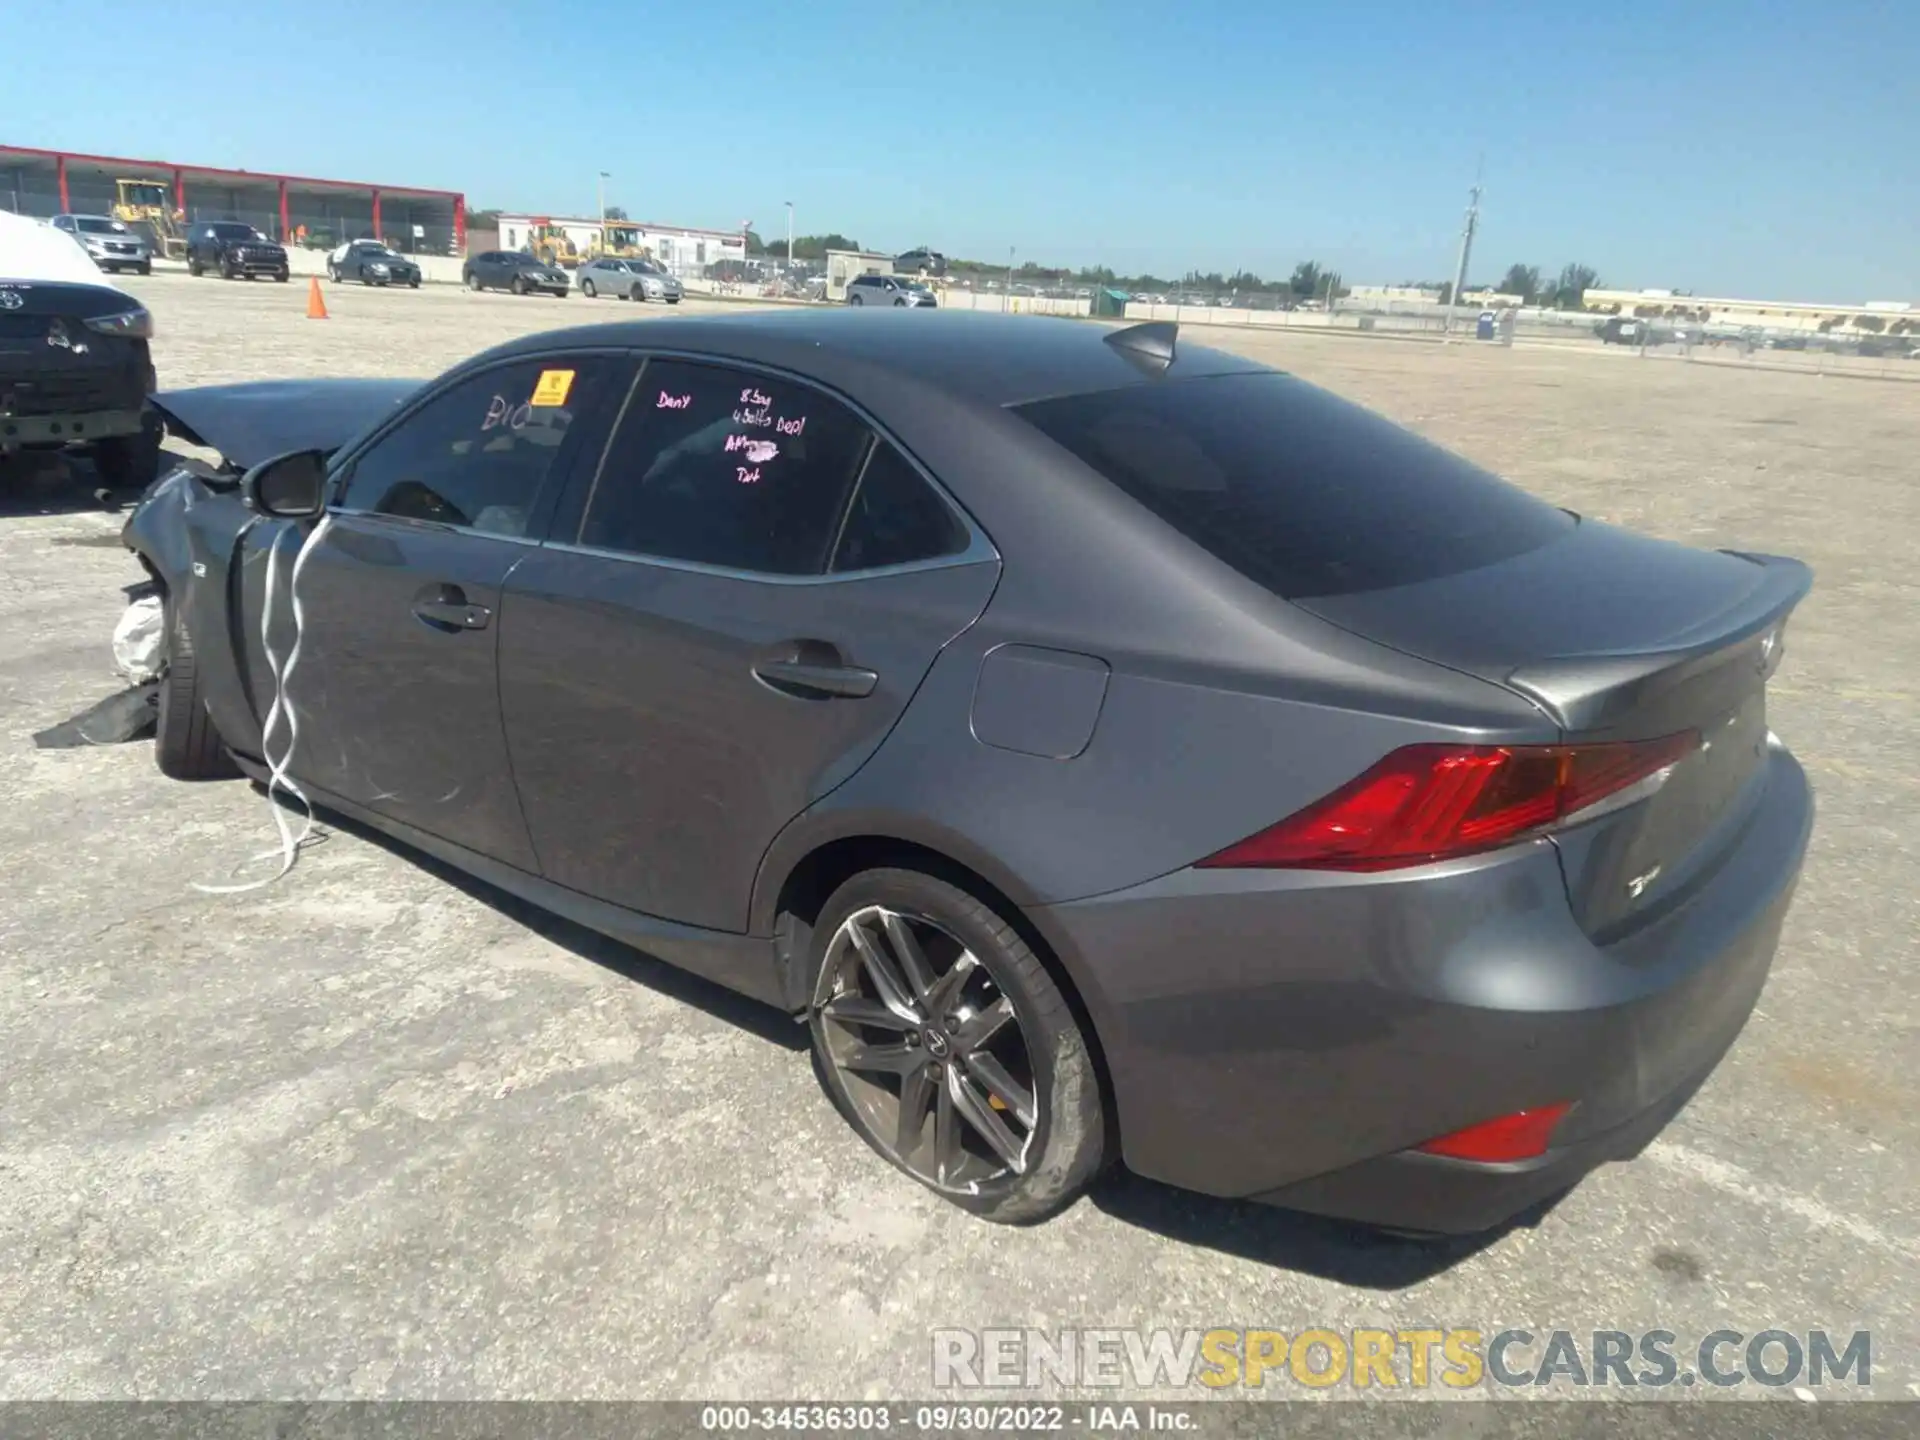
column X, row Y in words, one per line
column 1041, row 1051
column 473, row 282
column 193, row 266
column 586, row 289
column 186, row 745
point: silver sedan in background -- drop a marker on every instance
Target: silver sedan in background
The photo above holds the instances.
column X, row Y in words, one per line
column 629, row 279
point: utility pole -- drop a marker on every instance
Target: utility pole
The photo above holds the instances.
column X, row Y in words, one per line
column 604, row 177
column 788, row 267
column 1006, row 300
column 1466, row 254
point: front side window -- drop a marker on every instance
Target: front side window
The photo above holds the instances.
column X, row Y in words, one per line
column 478, row 454
column 725, row 467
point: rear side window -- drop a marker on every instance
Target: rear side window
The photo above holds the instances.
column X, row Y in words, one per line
column 896, row 518
column 1298, row 490
column 726, row 467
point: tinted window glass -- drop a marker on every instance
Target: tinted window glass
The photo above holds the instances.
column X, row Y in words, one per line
column 1296, row 489
column 477, row 455
column 896, row 518
column 726, row 468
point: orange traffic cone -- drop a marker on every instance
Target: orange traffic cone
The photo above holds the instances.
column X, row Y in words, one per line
column 316, row 302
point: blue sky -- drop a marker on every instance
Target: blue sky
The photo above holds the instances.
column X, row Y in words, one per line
column 1728, row 148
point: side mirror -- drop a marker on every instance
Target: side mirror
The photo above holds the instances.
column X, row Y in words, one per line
column 288, row 487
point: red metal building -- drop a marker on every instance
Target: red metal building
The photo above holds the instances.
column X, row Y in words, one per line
column 296, row 209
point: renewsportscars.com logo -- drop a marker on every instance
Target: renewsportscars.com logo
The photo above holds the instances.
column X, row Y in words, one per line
column 1416, row 1359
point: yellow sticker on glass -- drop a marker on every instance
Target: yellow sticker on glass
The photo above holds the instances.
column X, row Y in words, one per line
column 553, row 387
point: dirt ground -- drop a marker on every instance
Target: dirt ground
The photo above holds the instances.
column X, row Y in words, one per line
column 378, row 1131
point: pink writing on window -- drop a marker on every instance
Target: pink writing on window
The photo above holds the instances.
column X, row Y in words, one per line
column 790, row 427
column 758, row 451
column 746, row 476
column 752, row 417
column 673, row 402
column 753, row 399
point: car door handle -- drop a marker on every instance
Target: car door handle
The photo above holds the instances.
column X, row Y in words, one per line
column 445, row 607
column 808, row 681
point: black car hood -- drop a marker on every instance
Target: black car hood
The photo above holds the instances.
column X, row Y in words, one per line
column 256, row 421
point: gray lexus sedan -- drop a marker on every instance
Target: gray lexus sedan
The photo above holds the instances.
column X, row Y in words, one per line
column 1115, row 750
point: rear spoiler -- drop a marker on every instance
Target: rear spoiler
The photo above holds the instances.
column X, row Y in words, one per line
column 1593, row 692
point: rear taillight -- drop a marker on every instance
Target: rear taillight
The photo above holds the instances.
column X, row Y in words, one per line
column 1523, row 1135
column 1433, row 802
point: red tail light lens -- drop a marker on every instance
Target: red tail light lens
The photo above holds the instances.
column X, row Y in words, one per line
column 1523, row 1135
column 1434, row 802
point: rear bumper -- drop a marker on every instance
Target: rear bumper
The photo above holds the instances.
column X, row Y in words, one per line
column 1291, row 1037
column 40, row 431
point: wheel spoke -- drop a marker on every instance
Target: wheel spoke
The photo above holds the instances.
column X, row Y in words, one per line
column 981, row 1028
column 981, row 1116
column 916, row 1097
column 886, row 979
column 888, row 1059
column 1009, row 1091
column 944, row 991
column 906, row 949
column 858, row 1010
column 946, row 1131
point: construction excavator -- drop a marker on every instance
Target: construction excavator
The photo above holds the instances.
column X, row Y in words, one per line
column 148, row 205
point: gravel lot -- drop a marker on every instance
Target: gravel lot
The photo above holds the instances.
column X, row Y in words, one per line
column 380, row 1132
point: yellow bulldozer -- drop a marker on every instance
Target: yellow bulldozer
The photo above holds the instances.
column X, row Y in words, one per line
column 552, row 244
column 147, row 205
column 621, row 242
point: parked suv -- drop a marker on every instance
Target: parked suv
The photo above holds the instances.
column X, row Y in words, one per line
column 111, row 244
column 888, row 290
column 921, row 262
column 234, row 249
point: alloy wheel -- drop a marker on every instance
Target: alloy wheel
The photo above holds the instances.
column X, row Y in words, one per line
column 927, row 1050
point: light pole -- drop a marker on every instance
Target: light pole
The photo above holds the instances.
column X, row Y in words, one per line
column 1466, row 254
column 1007, row 299
column 788, row 267
column 604, row 177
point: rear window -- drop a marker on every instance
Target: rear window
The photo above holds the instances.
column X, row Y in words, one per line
column 1298, row 490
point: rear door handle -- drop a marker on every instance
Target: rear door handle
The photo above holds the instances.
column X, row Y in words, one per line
column 445, row 607
column 810, row 681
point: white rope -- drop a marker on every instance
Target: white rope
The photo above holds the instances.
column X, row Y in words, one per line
column 292, row 842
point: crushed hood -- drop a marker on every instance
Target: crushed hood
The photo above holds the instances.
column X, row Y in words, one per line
column 258, row 420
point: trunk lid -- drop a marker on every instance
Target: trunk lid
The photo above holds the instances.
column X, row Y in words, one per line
column 1616, row 637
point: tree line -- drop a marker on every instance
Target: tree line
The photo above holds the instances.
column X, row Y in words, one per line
column 1559, row 294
